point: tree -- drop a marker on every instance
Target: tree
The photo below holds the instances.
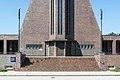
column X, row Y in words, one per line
column 113, row 34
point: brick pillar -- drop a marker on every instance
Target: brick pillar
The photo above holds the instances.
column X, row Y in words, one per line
column 75, row 48
column 55, row 52
column 5, row 46
column 10, row 48
column 64, row 48
column 18, row 60
column 55, row 17
column 114, row 47
column 45, row 49
column 48, row 49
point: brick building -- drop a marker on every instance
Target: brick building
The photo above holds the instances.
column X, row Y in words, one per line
column 64, row 31
column 60, row 28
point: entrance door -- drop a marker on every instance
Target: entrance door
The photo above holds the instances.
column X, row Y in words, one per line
column 12, row 46
column 51, row 48
column 1, row 46
column 118, row 47
column 68, row 49
column 107, row 47
column 60, row 48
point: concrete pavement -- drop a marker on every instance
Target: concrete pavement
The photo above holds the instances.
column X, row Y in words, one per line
column 102, row 73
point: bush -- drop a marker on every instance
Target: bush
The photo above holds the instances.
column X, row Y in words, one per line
column 115, row 70
column 3, row 70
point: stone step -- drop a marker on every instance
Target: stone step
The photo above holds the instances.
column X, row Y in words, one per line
column 60, row 64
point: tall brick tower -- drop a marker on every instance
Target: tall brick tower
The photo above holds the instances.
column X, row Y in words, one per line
column 60, row 28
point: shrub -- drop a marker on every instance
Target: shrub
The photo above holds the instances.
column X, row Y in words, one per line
column 115, row 70
column 3, row 70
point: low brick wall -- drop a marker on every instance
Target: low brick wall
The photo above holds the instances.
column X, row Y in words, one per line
column 23, row 56
column 10, row 60
column 6, row 60
column 104, row 61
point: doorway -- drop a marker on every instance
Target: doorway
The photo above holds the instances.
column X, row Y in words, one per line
column 107, row 47
column 12, row 46
column 1, row 46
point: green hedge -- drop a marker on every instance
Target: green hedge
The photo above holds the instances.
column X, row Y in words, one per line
column 115, row 70
column 3, row 70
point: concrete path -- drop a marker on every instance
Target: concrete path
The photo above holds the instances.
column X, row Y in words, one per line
column 14, row 73
column 11, row 75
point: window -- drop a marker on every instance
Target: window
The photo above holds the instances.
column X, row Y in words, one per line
column 52, row 17
column 67, row 16
column 60, row 17
column 34, row 46
column 1, row 46
column 86, row 46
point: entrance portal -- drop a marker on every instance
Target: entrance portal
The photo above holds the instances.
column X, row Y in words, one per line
column 12, row 46
column 118, row 47
column 107, row 47
column 60, row 46
column 1, row 46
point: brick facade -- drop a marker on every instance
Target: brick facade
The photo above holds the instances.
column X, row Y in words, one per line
column 85, row 25
column 80, row 37
column 35, row 28
column 106, row 61
column 5, row 38
column 77, row 16
column 114, row 40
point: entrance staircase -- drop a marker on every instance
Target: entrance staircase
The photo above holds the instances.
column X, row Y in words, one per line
column 60, row 64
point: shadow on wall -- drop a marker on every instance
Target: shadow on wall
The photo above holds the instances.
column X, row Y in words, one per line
column 78, row 50
column 26, row 62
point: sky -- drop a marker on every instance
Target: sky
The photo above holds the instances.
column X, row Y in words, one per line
column 9, row 14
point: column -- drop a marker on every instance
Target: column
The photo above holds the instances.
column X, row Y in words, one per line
column 55, row 18
column 55, row 52
column 45, row 49
column 75, row 48
column 64, row 48
column 114, row 47
column 5, row 46
column 48, row 49
column 18, row 61
column 10, row 48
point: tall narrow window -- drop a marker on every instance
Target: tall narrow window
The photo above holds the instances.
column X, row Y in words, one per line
column 60, row 17
column 52, row 17
column 68, row 16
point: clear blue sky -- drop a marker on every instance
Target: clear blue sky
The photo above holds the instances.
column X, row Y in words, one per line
column 9, row 15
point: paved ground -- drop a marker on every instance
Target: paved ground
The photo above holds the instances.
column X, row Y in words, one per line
column 14, row 73
column 11, row 75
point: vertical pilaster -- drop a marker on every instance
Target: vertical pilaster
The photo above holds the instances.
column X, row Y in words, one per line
column 56, row 18
column 45, row 49
column 18, row 61
column 55, row 52
column 10, row 48
column 76, row 51
column 5, row 46
column 63, row 18
column 114, row 47
column 48, row 49
column 64, row 48
column 75, row 48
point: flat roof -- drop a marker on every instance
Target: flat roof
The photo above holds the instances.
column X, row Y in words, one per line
column 8, row 34
column 110, row 35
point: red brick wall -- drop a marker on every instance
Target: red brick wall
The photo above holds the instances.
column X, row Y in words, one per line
column 108, row 60
column 35, row 28
column 86, row 28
